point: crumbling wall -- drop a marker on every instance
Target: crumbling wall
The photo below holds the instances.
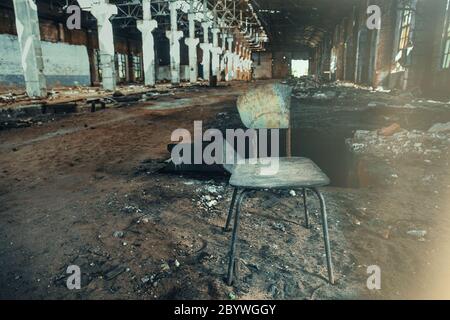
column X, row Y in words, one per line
column 385, row 42
column 319, row 63
column 422, row 54
column 262, row 63
column 163, row 73
column 67, row 52
column 281, row 64
column 437, row 81
column 350, row 48
column 371, row 57
column 340, row 49
column 64, row 64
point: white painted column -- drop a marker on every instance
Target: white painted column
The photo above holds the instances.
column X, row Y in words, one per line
column 206, row 47
column 27, row 24
column 236, row 60
column 249, row 64
column 224, row 41
column 243, row 63
column 240, row 60
column 192, row 43
column 146, row 27
column 174, row 37
column 247, row 59
column 216, row 51
column 223, row 59
column 246, row 63
column 229, row 55
column 102, row 11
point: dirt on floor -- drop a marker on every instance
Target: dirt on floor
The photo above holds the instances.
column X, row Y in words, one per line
column 89, row 189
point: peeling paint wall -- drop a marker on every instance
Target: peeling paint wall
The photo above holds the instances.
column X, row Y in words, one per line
column 53, row 30
column 163, row 73
column 64, row 64
column 369, row 56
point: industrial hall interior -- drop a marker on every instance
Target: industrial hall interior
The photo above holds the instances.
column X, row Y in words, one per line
column 224, row 149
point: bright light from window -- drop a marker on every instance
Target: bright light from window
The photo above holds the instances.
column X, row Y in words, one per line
column 300, row 68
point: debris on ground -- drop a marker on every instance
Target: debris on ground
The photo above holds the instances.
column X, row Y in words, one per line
column 396, row 143
column 118, row 234
column 210, row 196
column 389, row 131
column 417, row 233
column 174, row 244
column 440, row 128
column 304, row 86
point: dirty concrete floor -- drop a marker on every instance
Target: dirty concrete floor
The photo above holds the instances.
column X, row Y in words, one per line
column 87, row 190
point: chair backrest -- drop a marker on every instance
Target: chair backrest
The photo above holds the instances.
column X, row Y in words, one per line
column 266, row 106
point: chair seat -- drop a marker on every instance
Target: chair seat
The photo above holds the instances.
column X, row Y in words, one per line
column 292, row 173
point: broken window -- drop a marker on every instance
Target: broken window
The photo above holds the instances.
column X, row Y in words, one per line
column 121, row 61
column 446, row 52
column 137, row 67
column 300, row 68
column 405, row 27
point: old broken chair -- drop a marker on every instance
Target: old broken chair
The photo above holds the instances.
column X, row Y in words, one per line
column 268, row 107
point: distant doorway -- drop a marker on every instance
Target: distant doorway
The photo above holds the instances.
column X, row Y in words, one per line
column 300, row 68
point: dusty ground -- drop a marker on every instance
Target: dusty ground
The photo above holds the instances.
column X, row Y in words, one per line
column 68, row 187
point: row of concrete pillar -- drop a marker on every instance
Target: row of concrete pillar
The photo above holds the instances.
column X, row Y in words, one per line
column 235, row 64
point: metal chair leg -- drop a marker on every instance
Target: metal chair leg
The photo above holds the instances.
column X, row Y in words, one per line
column 234, row 238
column 230, row 211
column 306, row 208
column 326, row 239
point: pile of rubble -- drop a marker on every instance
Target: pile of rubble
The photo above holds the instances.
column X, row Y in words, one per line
column 210, row 196
column 308, row 87
column 304, row 82
column 395, row 142
column 11, row 97
column 303, row 87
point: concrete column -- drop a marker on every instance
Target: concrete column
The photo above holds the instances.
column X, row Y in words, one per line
column 241, row 60
column 146, row 27
column 27, row 25
column 206, row 47
column 248, row 59
column 223, row 58
column 244, row 63
column 192, row 43
column 236, row 61
column 174, row 37
column 216, row 51
column 249, row 64
column 229, row 54
column 102, row 11
column 223, row 36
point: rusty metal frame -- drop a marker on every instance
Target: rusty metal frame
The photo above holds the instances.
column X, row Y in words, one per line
column 225, row 14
